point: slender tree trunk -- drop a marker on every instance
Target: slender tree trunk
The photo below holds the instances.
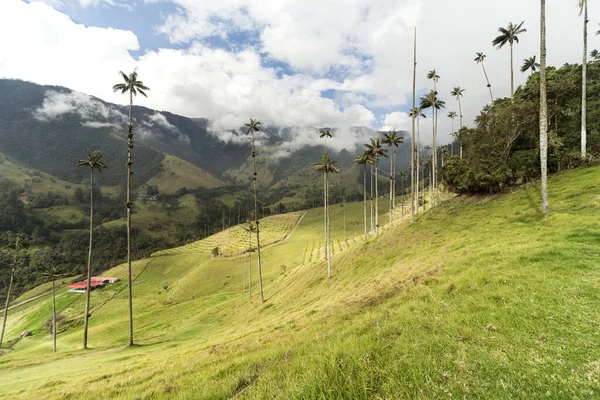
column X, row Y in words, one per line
column 430, row 188
column 328, row 228
column 543, row 109
column 53, row 316
column 452, row 144
column 128, row 206
column 584, row 83
column 365, row 198
column 325, row 212
column 512, row 75
column 418, row 161
column 250, row 266
column 488, row 82
column 394, row 180
column 402, row 194
column 376, row 198
column 371, row 199
column 432, row 155
column 260, row 284
column 89, row 264
column 391, row 186
column 412, row 144
column 461, row 120
column 12, row 275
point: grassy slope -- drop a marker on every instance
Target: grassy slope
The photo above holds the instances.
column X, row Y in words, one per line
column 482, row 297
column 177, row 173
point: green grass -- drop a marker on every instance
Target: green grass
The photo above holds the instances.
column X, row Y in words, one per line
column 177, row 173
column 483, row 297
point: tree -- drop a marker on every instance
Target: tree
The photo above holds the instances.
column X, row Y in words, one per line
column 402, row 175
column 418, row 114
column 93, row 163
column 325, row 133
column 16, row 246
column 529, row 64
column 479, row 59
column 509, row 35
column 392, row 139
column 595, row 54
column 435, row 78
column 583, row 9
column 250, row 229
column 53, row 272
column 363, row 159
column 412, row 124
column 252, row 127
column 132, row 86
column 543, row 109
column 374, row 150
column 327, row 166
column 431, row 100
column 452, row 115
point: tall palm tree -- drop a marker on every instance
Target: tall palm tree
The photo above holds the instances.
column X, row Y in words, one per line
column 529, row 64
column 16, row 246
column 53, row 272
column 433, row 75
column 458, row 93
column 392, row 139
column 595, row 55
column 431, row 100
column 418, row 114
column 583, row 9
column 375, row 150
column 327, row 166
column 479, row 59
column 93, row 163
column 252, row 127
column 325, row 133
column 509, row 35
column 429, row 164
column 452, row 115
column 250, row 229
column 363, row 159
column 132, row 86
column 543, row 109
column 412, row 125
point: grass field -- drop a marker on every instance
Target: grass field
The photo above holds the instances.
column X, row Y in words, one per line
column 177, row 173
column 483, row 297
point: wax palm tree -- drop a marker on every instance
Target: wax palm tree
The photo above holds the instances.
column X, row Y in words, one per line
column 93, row 163
column 325, row 133
column 509, row 35
column 458, row 93
column 433, row 75
column 327, row 166
column 132, row 86
column 583, row 9
column 429, row 164
column 402, row 175
column 452, row 115
column 363, row 159
column 375, row 150
column 250, row 229
column 17, row 246
column 595, row 55
column 417, row 113
column 431, row 100
column 392, row 139
column 543, row 108
column 529, row 64
column 53, row 272
column 479, row 59
column 252, row 127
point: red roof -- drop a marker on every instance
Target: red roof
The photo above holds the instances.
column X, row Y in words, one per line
column 104, row 278
column 83, row 285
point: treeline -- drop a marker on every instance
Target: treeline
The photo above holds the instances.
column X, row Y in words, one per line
column 502, row 149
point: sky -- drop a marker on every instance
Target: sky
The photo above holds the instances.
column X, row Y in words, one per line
column 288, row 63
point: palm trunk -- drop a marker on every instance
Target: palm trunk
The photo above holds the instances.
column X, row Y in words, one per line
column 391, row 186
column 89, row 264
column 128, row 206
column 452, row 143
column 543, row 109
column 430, row 188
column 402, row 194
column 394, row 180
column 12, row 275
column 433, row 154
column 365, row 198
column 418, row 162
column 461, row 120
column 376, row 198
column 584, row 83
column 488, row 82
column 53, row 316
column 371, row 199
column 260, row 284
column 512, row 76
column 327, row 227
column 412, row 143
column 325, row 209
column 250, row 265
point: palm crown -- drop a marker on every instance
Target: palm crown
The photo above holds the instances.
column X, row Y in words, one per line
column 480, row 57
column 326, row 165
column 93, row 161
column 431, row 100
column 452, row 114
column 374, row 149
column 509, row 34
column 417, row 112
column 253, row 125
column 529, row 64
column 433, row 75
column 362, row 159
column 131, row 84
column 392, row 138
column 325, row 133
column 457, row 92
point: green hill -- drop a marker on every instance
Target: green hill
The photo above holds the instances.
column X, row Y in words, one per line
column 483, row 297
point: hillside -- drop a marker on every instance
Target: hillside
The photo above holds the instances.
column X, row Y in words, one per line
column 482, row 297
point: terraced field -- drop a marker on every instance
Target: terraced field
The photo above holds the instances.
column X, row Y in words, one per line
column 235, row 240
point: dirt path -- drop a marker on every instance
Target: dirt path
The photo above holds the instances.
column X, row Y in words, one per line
column 27, row 301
